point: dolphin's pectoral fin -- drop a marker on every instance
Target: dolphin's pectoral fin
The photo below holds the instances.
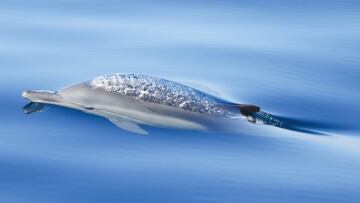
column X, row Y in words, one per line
column 33, row 107
column 128, row 125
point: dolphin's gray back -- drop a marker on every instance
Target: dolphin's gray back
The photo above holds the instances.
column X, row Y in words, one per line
column 164, row 92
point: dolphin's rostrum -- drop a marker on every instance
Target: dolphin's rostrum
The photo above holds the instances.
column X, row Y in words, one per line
column 128, row 100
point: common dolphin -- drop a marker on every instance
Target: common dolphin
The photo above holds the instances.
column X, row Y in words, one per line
column 131, row 100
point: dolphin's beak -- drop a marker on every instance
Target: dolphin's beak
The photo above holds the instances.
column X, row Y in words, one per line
column 26, row 95
column 32, row 106
column 40, row 95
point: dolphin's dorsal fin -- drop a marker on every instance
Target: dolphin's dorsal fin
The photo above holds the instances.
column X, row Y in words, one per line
column 128, row 125
column 248, row 111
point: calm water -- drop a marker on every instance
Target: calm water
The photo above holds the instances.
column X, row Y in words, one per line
column 299, row 60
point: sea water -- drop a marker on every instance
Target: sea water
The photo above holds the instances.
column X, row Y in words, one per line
column 298, row 60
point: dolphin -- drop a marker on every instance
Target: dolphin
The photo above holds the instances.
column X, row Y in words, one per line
column 131, row 100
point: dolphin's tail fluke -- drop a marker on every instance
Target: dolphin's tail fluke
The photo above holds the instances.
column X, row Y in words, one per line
column 268, row 119
column 287, row 123
column 254, row 115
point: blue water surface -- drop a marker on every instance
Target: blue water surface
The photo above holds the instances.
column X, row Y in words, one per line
column 296, row 59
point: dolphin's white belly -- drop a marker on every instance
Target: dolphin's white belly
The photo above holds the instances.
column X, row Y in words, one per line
column 109, row 104
column 152, row 119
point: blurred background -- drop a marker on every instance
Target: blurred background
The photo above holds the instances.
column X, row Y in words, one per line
column 296, row 59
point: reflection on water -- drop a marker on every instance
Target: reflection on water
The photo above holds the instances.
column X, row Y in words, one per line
column 297, row 60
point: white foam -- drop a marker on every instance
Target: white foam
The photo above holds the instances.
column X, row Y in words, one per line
column 157, row 90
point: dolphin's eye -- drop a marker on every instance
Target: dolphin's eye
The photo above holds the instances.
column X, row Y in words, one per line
column 89, row 108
